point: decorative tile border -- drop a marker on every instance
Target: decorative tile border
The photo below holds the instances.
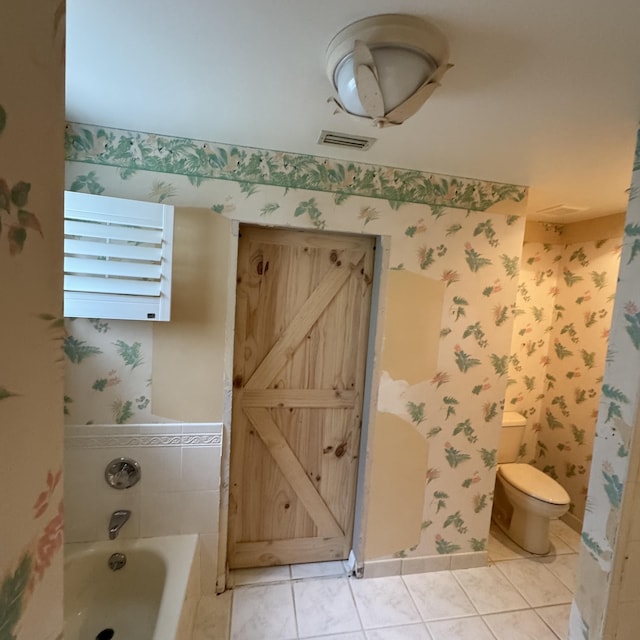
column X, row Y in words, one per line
column 195, row 434
column 174, row 440
column 199, row 160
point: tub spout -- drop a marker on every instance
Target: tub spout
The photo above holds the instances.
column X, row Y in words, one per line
column 118, row 518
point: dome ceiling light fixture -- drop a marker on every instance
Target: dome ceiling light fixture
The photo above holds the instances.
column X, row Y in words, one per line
column 384, row 68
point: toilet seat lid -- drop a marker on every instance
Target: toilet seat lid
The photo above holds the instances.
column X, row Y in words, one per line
column 534, row 482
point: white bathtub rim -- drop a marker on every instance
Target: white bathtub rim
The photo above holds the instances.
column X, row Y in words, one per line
column 178, row 553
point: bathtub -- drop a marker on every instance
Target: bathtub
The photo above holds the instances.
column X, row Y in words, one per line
column 153, row 597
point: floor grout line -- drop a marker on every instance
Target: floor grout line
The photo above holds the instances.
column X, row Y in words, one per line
column 498, row 562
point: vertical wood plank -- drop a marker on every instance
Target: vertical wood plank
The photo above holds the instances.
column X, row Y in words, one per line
column 301, row 330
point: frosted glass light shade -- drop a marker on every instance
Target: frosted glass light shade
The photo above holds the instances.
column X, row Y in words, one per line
column 400, row 72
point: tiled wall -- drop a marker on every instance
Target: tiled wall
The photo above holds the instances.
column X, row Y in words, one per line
column 179, row 491
column 31, row 184
column 563, row 314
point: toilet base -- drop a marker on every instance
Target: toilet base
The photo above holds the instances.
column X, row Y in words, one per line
column 528, row 531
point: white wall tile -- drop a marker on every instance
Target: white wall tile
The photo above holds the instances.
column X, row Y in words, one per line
column 161, row 514
column 178, row 492
column 202, row 427
column 200, row 469
column 199, row 511
column 161, row 468
column 80, row 515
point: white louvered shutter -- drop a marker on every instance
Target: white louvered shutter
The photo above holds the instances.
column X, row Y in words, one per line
column 117, row 258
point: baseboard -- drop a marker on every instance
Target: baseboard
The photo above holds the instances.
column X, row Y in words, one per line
column 424, row 564
column 574, row 522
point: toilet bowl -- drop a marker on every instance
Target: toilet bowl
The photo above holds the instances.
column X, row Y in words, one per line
column 525, row 501
column 525, row 498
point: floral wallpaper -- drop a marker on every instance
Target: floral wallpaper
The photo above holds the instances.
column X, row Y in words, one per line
column 617, row 413
column 563, row 314
column 107, row 371
column 435, row 232
column 31, row 185
column 199, row 160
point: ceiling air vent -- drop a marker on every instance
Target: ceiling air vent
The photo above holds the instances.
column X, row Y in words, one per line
column 336, row 139
column 561, row 210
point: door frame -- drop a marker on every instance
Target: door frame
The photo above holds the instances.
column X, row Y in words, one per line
column 370, row 400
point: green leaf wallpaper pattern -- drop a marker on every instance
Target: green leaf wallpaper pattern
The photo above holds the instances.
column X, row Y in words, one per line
column 632, row 317
column 107, row 373
column 249, row 166
column 444, row 546
column 310, row 208
column 464, row 361
column 474, row 259
column 436, row 253
column 12, row 592
column 5, row 393
column 88, row 183
column 15, row 217
column 556, row 383
column 269, row 208
column 13, row 201
column 416, row 411
column 122, row 411
column 130, row 353
column 78, row 350
column 454, row 456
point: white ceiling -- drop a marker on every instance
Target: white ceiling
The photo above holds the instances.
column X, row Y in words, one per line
column 543, row 93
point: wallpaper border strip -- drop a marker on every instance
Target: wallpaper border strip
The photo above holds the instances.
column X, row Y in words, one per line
column 167, row 440
column 199, row 160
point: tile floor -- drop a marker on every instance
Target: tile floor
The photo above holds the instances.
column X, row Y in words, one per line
column 517, row 597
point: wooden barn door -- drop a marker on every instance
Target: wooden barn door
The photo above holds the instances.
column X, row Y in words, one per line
column 302, row 317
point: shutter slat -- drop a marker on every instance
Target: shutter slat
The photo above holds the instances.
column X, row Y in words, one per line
column 88, row 266
column 109, row 250
column 112, row 285
column 112, row 231
column 117, row 258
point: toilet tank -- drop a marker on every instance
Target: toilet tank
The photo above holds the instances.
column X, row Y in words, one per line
column 511, row 435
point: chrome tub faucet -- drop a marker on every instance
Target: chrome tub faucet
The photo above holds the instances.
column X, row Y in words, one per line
column 118, row 518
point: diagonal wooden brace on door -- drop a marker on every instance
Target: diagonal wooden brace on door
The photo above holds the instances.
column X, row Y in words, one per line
column 294, row 473
column 302, row 322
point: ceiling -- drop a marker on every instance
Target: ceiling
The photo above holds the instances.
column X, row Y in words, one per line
column 544, row 94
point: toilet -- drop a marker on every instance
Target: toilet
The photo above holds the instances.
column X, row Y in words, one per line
column 525, row 498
